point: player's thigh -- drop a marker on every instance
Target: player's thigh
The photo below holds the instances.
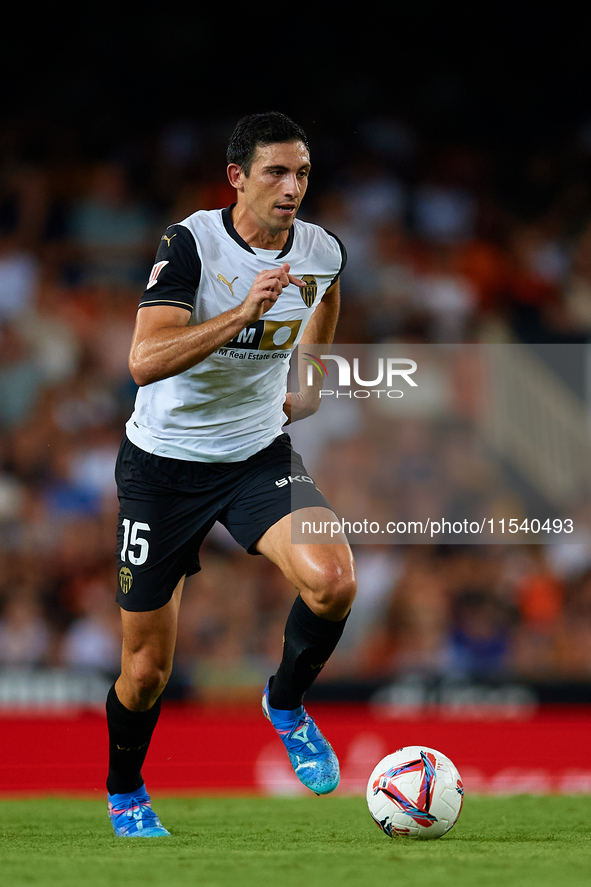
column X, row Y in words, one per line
column 153, row 630
column 323, row 570
column 149, row 640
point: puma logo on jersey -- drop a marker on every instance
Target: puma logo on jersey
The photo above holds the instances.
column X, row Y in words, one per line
column 229, row 283
column 167, row 239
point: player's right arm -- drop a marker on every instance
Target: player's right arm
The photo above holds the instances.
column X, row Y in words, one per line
column 164, row 343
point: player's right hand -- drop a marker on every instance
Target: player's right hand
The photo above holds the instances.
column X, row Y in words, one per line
column 266, row 289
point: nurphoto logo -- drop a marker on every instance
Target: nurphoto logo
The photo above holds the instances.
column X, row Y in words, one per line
column 389, row 371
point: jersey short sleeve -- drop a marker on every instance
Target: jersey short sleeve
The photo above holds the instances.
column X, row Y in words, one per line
column 177, row 270
column 343, row 256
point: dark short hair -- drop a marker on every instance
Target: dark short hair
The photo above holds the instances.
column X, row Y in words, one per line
column 261, row 129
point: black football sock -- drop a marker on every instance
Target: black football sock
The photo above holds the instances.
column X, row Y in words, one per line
column 309, row 641
column 129, row 737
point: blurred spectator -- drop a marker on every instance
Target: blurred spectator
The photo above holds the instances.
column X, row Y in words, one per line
column 410, row 638
column 68, row 493
column 535, row 288
column 48, row 331
column 397, row 285
column 449, row 299
column 539, row 594
column 112, row 232
column 443, row 214
column 573, row 636
column 12, row 494
column 93, row 639
column 19, row 280
column 481, row 636
column 25, row 638
column 21, row 378
column 373, row 195
column 23, row 218
column 578, row 282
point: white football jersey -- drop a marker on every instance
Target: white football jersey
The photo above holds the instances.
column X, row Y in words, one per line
column 229, row 406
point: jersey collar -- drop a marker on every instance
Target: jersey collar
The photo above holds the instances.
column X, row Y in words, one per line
column 231, row 230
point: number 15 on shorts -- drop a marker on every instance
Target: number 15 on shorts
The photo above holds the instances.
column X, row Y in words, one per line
column 135, row 546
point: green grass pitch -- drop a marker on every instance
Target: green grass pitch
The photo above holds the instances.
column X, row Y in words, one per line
column 316, row 842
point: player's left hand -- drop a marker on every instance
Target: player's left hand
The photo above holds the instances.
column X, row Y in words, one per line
column 298, row 405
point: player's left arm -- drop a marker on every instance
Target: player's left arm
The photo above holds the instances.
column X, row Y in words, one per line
column 318, row 336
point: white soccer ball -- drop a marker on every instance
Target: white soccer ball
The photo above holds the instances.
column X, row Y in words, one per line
column 416, row 792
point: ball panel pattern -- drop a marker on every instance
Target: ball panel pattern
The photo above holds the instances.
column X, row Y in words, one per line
column 416, row 792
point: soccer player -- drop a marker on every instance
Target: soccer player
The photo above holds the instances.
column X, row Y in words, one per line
column 231, row 293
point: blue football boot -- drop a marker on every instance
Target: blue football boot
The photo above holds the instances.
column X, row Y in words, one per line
column 311, row 756
column 132, row 816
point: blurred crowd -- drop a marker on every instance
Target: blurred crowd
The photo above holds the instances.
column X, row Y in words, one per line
column 446, row 243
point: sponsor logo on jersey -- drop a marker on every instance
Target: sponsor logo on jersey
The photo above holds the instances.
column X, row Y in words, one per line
column 229, row 283
column 310, row 291
column 125, row 579
column 155, row 272
column 266, row 335
column 167, row 239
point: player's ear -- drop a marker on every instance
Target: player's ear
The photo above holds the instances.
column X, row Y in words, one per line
column 235, row 176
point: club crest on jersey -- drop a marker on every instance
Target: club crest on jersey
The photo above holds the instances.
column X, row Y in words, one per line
column 309, row 292
column 154, row 274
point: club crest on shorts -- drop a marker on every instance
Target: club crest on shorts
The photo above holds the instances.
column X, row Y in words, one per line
column 309, row 292
column 125, row 579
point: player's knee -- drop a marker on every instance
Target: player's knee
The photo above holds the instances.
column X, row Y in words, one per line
column 149, row 679
column 334, row 591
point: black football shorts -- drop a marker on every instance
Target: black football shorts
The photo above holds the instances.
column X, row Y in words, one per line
column 167, row 507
